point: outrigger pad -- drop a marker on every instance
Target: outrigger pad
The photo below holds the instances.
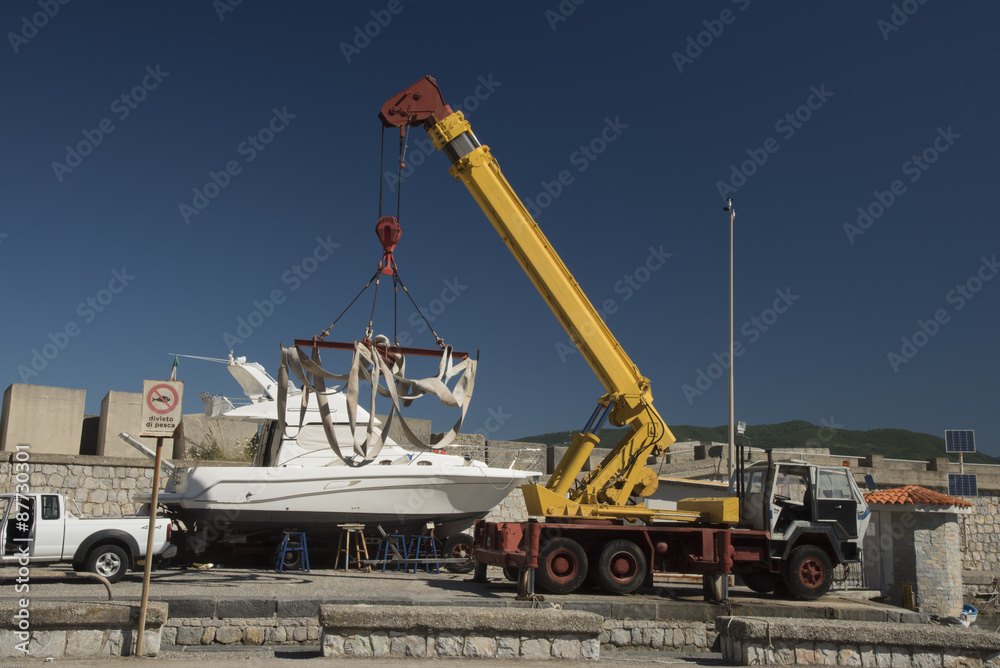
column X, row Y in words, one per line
column 371, row 366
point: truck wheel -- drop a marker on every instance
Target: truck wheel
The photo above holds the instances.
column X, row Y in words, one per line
column 762, row 584
column 109, row 561
column 459, row 546
column 808, row 574
column 562, row 566
column 511, row 573
column 621, row 568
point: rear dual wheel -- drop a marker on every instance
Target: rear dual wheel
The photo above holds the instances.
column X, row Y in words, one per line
column 621, row 568
column 562, row 566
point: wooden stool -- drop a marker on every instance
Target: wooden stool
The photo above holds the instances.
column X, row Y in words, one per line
column 344, row 545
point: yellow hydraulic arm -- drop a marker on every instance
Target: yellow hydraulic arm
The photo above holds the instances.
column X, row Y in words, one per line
column 605, row 491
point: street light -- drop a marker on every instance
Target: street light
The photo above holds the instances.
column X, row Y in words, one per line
column 732, row 432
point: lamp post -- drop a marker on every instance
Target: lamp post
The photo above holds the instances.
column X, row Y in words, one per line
column 732, row 431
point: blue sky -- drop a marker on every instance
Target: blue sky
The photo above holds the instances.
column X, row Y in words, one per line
column 857, row 140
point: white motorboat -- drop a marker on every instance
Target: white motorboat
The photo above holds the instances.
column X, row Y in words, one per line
column 297, row 481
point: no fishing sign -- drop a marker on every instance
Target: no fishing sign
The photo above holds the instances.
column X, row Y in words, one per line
column 161, row 407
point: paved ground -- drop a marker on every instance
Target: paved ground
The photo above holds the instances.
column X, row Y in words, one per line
column 59, row 583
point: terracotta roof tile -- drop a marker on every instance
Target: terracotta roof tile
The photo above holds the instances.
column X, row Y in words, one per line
column 915, row 495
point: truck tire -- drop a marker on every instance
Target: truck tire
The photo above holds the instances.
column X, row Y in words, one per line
column 809, row 572
column 621, row 568
column 109, row 561
column 459, row 546
column 562, row 566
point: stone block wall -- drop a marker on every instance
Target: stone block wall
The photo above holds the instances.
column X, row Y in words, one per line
column 938, row 550
column 981, row 533
column 242, row 631
column 99, row 485
column 659, row 634
column 926, row 550
column 511, row 509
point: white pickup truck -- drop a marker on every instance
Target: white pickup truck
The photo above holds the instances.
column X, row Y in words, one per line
column 49, row 528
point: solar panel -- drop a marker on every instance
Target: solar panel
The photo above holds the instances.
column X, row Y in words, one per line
column 959, row 440
column 962, row 484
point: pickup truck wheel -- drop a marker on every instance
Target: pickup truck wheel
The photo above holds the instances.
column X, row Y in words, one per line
column 809, row 572
column 109, row 561
column 562, row 566
column 621, row 568
column 459, row 546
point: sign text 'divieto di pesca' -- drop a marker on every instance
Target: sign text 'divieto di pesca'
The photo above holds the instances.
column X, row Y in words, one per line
column 161, row 407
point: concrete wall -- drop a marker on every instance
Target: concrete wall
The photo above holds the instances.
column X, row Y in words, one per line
column 47, row 419
column 120, row 411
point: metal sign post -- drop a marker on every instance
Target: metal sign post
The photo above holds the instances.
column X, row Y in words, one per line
column 161, row 416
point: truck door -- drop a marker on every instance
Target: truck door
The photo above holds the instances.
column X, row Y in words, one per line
column 4, row 508
column 50, row 529
column 834, row 501
column 19, row 526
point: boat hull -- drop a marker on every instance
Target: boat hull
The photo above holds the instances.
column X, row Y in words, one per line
column 401, row 499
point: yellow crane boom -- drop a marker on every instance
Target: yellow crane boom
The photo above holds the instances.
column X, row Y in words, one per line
column 628, row 401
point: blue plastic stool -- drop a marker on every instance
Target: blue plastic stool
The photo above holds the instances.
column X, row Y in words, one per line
column 292, row 542
column 385, row 549
column 423, row 547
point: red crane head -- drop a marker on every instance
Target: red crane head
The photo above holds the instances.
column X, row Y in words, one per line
column 416, row 104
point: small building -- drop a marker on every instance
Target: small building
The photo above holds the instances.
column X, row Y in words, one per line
column 42, row 419
column 918, row 546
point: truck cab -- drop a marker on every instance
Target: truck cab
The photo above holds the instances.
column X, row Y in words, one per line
column 800, row 504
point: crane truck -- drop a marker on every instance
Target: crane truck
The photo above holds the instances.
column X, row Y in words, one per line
column 785, row 530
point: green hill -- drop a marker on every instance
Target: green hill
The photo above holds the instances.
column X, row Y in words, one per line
column 891, row 443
